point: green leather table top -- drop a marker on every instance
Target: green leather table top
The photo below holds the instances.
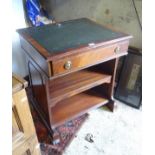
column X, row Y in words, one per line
column 70, row 34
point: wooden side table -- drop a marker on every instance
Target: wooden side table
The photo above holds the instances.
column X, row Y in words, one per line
column 72, row 66
column 24, row 139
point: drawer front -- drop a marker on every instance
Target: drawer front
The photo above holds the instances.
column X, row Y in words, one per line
column 91, row 57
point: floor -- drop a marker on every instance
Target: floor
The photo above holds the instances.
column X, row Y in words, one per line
column 117, row 133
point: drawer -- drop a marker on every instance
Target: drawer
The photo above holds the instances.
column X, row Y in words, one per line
column 88, row 58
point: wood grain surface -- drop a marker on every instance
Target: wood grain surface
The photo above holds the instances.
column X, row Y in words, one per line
column 24, row 137
column 75, row 83
column 88, row 58
column 76, row 106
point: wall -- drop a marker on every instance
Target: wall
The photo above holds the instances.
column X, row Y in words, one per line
column 118, row 13
column 18, row 58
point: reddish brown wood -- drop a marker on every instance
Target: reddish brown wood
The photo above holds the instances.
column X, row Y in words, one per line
column 36, row 57
column 88, row 58
column 40, row 95
column 111, row 105
column 110, row 68
column 64, row 93
column 35, row 44
column 49, row 55
column 75, row 83
column 83, row 49
column 110, row 88
column 75, row 106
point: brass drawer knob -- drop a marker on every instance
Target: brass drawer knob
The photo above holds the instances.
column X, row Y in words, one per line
column 68, row 65
column 117, row 49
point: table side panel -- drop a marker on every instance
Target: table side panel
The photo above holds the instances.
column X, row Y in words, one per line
column 37, row 58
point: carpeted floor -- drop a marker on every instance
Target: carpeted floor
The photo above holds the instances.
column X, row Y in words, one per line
column 117, row 133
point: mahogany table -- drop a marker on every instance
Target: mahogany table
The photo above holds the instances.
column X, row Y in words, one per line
column 72, row 66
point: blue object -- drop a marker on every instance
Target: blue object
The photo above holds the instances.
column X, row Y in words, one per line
column 34, row 12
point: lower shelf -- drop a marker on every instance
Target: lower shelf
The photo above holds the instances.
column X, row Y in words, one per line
column 76, row 106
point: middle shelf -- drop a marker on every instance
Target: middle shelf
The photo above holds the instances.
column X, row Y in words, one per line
column 75, row 83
